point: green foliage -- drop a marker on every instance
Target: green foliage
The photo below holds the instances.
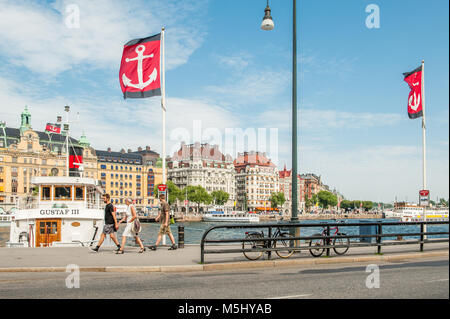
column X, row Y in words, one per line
column 443, row 202
column 198, row 194
column 220, row 197
column 311, row 201
column 277, row 199
column 327, row 199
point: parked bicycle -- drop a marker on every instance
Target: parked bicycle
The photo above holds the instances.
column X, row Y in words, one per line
column 258, row 244
column 340, row 245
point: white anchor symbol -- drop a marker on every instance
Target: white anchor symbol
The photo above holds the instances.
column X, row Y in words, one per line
column 416, row 103
column 140, row 57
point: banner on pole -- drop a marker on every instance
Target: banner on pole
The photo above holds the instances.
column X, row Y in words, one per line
column 140, row 70
column 415, row 100
column 53, row 128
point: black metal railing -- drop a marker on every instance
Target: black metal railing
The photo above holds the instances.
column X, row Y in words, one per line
column 327, row 237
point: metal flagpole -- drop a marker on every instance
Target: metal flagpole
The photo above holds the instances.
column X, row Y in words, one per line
column 163, row 106
column 424, row 160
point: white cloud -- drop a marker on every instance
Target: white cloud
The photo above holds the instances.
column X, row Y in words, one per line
column 41, row 41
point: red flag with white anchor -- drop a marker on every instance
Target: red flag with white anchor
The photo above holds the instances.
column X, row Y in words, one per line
column 140, row 71
column 415, row 98
column 53, row 128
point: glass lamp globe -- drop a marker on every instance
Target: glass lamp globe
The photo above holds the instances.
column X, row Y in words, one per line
column 267, row 23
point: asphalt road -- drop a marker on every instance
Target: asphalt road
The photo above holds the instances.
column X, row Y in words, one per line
column 406, row 279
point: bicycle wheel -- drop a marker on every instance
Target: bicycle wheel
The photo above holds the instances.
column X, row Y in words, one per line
column 316, row 246
column 253, row 255
column 341, row 242
column 287, row 243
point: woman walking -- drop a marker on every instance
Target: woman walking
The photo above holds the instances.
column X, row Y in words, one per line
column 130, row 217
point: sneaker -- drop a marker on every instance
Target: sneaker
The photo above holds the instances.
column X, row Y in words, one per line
column 117, row 249
column 94, row 249
column 174, row 246
column 152, row 247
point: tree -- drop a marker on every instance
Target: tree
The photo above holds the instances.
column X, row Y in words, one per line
column 220, row 197
column 327, row 199
column 311, row 201
column 198, row 194
column 443, row 202
column 174, row 192
column 277, row 199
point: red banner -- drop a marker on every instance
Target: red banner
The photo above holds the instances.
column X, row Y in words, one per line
column 74, row 160
column 53, row 128
column 140, row 72
column 414, row 80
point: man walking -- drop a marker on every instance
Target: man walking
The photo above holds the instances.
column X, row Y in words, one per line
column 163, row 217
column 111, row 225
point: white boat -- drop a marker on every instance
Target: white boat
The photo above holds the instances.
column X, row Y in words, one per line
column 233, row 216
column 410, row 213
column 66, row 212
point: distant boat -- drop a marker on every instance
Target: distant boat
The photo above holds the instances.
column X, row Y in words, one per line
column 214, row 215
column 413, row 213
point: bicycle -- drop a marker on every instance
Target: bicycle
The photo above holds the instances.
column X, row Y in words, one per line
column 316, row 244
column 261, row 244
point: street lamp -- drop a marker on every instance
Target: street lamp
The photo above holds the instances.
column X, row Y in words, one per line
column 268, row 25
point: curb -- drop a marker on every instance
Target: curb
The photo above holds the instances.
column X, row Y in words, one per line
column 234, row 265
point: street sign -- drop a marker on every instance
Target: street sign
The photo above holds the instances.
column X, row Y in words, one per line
column 424, row 197
column 162, row 187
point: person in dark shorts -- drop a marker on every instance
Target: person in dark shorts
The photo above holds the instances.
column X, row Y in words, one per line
column 163, row 217
column 111, row 224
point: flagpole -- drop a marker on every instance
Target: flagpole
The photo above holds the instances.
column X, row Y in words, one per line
column 163, row 106
column 424, row 159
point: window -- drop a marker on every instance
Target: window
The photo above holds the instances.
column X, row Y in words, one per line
column 103, row 166
column 63, row 192
column 79, row 193
column 46, row 192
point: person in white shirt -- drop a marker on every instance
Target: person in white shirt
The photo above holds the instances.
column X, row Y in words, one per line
column 129, row 217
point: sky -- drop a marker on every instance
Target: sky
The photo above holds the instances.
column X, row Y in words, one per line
column 230, row 83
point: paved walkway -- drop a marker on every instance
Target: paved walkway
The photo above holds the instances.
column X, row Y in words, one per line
column 188, row 258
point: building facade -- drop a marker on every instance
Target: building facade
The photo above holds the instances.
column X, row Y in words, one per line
column 256, row 179
column 130, row 175
column 203, row 165
column 25, row 153
column 285, row 179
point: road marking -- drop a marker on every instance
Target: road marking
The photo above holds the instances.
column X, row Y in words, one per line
column 288, row 297
column 438, row 280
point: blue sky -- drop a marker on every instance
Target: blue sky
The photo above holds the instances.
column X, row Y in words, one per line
column 225, row 72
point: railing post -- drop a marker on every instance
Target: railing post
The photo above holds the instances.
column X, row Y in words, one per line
column 202, row 251
column 380, row 232
column 422, row 228
column 269, row 255
column 328, row 240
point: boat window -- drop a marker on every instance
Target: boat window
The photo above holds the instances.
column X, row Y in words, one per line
column 63, row 193
column 46, row 193
column 79, row 193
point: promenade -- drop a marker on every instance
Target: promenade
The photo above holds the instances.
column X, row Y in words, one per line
column 188, row 259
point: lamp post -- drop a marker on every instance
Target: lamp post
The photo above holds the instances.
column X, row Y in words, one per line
column 268, row 25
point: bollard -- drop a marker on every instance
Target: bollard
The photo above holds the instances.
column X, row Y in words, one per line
column 180, row 236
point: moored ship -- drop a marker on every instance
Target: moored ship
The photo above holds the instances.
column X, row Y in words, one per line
column 407, row 212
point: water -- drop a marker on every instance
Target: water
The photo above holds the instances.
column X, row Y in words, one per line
column 193, row 231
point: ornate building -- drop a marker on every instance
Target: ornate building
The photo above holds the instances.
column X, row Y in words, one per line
column 204, row 165
column 25, row 153
column 256, row 180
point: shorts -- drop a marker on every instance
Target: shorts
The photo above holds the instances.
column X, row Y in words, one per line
column 164, row 230
column 109, row 229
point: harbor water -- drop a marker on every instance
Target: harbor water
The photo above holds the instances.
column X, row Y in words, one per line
column 193, row 231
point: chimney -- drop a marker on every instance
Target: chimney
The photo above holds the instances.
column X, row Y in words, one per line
column 147, row 148
column 109, row 149
column 139, row 149
column 122, row 151
column 129, row 150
